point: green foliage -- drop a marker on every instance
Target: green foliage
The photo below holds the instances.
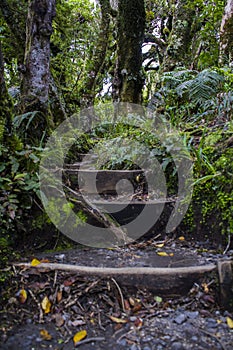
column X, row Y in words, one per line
column 18, row 187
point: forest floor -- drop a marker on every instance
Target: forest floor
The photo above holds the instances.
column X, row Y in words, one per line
column 55, row 309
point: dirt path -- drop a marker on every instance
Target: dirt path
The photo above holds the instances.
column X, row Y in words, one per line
column 44, row 309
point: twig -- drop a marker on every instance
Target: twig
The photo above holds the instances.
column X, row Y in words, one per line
column 228, row 244
column 214, row 336
column 120, row 292
column 41, row 315
column 89, row 340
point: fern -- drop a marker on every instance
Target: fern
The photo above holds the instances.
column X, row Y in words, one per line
column 201, row 88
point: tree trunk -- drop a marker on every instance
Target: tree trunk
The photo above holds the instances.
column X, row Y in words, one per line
column 178, row 48
column 98, row 59
column 128, row 80
column 6, row 104
column 36, row 74
column 226, row 36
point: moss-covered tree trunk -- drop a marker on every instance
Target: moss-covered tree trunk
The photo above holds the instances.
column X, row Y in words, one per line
column 36, row 73
column 6, row 105
column 128, row 80
column 97, row 62
column 226, row 35
column 177, row 53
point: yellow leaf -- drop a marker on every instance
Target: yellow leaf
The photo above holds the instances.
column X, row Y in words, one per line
column 45, row 335
column 160, row 245
column 22, row 295
column 79, row 336
column 205, row 287
column 171, row 254
column 35, row 262
column 46, row 305
column 229, row 322
column 181, row 238
column 117, row 320
column 162, row 253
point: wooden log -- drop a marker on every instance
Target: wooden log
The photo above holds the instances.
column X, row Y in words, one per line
column 225, row 274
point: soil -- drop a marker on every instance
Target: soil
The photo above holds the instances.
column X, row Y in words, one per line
column 115, row 316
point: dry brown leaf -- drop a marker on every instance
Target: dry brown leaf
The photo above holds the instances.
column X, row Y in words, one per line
column 59, row 320
column 127, row 305
column 138, row 322
column 131, row 301
column 59, row 296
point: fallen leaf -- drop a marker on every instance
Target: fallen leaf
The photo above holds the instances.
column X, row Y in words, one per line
column 127, row 305
column 117, row 320
column 205, row 287
column 131, row 301
column 137, row 307
column 181, row 238
column 229, row 322
column 158, row 299
column 22, row 294
column 79, row 336
column 138, row 322
column 59, row 296
column 77, row 323
column 162, row 253
column 171, row 254
column 45, row 335
column 44, row 261
column 35, row 262
column 59, row 320
column 69, row 282
column 159, row 245
column 46, row 305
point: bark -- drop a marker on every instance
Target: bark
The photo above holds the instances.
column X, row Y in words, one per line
column 178, row 46
column 128, row 80
column 226, row 36
column 6, row 104
column 36, row 72
column 89, row 90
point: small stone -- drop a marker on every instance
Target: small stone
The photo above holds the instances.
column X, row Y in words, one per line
column 132, row 318
column 122, row 342
column 180, row 319
column 147, row 339
column 146, row 348
column 192, row 314
column 177, row 346
column 134, row 347
column 194, row 338
column 211, row 323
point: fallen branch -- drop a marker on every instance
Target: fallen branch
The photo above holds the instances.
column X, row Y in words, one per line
column 104, row 218
column 122, row 271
